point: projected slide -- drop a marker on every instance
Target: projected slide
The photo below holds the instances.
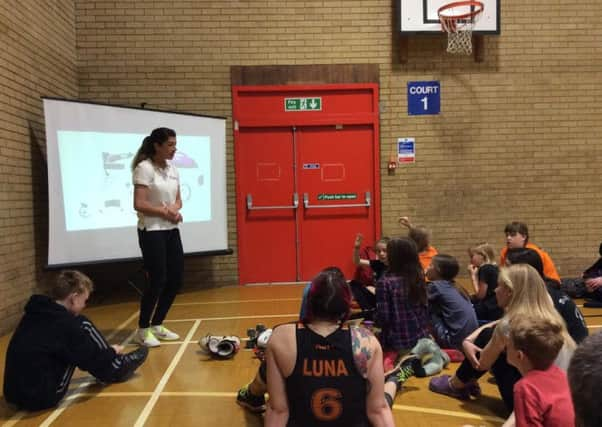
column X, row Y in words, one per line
column 96, row 178
column 90, row 148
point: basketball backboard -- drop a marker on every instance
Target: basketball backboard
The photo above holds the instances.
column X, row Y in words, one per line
column 420, row 16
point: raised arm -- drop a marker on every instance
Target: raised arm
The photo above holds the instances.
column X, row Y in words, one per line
column 405, row 221
column 356, row 251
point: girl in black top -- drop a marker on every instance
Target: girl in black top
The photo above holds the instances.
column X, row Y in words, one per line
column 484, row 274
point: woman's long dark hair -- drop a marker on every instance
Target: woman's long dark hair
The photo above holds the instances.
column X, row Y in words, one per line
column 147, row 149
column 403, row 261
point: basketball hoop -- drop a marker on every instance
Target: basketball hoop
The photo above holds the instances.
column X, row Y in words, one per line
column 457, row 20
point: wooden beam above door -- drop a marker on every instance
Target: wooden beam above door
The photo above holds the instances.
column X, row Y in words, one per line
column 303, row 74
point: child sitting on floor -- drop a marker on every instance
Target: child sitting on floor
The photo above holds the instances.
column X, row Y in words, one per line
column 483, row 274
column 362, row 286
column 52, row 339
column 542, row 396
column 451, row 311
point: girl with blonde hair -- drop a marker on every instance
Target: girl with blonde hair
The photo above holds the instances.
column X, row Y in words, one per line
column 531, row 299
column 521, row 292
column 483, row 273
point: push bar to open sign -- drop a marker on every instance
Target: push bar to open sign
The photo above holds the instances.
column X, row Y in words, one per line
column 366, row 204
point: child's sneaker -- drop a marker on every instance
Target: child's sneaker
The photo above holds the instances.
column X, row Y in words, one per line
column 164, row 334
column 249, row 401
column 145, row 337
column 403, row 371
column 443, row 385
column 223, row 347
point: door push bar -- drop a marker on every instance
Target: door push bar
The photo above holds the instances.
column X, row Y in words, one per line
column 366, row 204
column 250, row 206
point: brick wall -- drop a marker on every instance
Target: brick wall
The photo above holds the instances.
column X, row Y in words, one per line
column 38, row 57
column 517, row 137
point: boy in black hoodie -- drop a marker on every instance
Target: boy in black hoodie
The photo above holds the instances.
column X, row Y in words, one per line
column 52, row 339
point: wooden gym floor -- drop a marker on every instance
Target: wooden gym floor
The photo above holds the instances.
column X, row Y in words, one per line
column 180, row 386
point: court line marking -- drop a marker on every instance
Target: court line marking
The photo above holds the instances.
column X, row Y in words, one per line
column 420, row 409
column 458, row 414
column 255, row 316
column 163, row 382
column 68, row 399
column 237, row 301
column 112, row 394
column 74, row 394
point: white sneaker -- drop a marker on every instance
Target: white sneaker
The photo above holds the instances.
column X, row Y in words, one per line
column 145, row 337
column 164, row 334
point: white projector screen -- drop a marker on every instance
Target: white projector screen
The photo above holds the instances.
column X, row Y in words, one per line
column 90, row 148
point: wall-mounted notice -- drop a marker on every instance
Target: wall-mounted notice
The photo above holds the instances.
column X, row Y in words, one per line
column 406, row 150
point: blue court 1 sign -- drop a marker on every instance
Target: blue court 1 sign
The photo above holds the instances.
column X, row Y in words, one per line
column 424, row 98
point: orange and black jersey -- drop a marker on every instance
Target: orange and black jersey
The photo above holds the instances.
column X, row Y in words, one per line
column 325, row 388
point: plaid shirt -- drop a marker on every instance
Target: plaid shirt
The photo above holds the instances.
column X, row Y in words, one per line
column 402, row 322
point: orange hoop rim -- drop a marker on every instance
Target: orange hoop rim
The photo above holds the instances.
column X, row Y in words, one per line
column 477, row 4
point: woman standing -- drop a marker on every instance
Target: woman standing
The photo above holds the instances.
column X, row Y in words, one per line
column 157, row 201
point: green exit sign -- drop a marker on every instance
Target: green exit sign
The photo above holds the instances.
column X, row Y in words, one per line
column 302, row 104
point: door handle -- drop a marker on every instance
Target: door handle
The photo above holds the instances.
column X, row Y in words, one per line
column 366, row 204
column 250, row 206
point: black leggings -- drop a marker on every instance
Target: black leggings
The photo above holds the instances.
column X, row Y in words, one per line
column 505, row 374
column 164, row 261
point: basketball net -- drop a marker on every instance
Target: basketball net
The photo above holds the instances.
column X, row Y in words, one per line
column 458, row 20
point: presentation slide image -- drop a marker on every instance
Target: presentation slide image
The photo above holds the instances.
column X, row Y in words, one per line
column 96, row 178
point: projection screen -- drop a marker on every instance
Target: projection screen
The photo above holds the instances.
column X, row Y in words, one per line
column 90, row 148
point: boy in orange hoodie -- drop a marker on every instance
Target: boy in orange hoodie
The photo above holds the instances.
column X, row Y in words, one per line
column 517, row 236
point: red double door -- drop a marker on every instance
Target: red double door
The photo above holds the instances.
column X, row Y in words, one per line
column 304, row 190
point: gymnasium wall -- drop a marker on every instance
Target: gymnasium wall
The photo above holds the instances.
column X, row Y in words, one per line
column 517, row 137
column 37, row 57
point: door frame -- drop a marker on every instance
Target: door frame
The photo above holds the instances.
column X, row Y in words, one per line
column 243, row 116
